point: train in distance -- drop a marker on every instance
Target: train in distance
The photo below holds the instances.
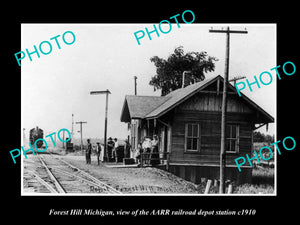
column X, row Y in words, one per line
column 34, row 134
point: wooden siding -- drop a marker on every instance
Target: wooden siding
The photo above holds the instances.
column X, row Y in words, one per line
column 210, row 136
column 135, row 132
column 196, row 173
column 213, row 103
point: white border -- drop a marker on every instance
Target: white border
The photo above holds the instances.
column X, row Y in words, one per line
column 142, row 194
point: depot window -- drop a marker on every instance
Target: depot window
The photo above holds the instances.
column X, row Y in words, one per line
column 192, row 137
column 232, row 138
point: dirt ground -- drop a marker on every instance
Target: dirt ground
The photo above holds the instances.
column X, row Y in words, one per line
column 134, row 180
column 147, row 180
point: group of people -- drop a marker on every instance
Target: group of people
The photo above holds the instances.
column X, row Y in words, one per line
column 112, row 150
column 88, row 152
column 150, row 147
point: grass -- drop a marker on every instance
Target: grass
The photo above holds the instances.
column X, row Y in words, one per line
column 262, row 182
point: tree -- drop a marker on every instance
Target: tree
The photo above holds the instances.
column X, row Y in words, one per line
column 260, row 137
column 169, row 72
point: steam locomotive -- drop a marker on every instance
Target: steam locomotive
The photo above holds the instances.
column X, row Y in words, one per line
column 34, row 134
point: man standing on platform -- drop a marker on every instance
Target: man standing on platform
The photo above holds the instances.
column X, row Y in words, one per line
column 115, row 150
column 147, row 146
column 154, row 157
column 88, row 152
column 98, row 150
column 110, row 146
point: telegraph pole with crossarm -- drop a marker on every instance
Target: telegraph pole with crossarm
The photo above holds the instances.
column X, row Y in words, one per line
column 81, row 144
column 224, row 105
column 235, row 79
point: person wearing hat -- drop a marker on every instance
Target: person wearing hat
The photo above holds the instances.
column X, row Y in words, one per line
column 88, row 152
column 115, row 149
column 110, row 146
column 147, row 146
column 154, row 157
column 127, row 149
column 98, row 150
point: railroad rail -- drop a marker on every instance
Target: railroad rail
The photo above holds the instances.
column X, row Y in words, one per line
column 42, row 181
column 95, row 180
column 56, row 176
column 57, row 184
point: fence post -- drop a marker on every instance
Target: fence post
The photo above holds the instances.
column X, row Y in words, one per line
column 207, row 186
column 230, row 189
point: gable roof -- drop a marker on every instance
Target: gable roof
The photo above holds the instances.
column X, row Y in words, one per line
column 151, row 107
column 137, row 107
column 176, row 97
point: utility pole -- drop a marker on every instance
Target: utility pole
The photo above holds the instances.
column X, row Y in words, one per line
column 54, row 140
column 107, row 92
column 81, row 144
column 24, row 136
column 224, row 105
column 72, row 124
column 63, row 139
column 135, row 90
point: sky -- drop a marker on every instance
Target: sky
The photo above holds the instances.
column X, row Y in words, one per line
column 107, row 56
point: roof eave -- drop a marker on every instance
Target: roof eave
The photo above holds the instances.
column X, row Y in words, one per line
column 269, row 118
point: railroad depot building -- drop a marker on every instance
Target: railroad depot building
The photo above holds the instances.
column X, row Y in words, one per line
column 188, row 124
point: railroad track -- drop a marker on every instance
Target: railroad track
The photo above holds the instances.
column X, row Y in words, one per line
column 64, row 177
